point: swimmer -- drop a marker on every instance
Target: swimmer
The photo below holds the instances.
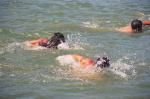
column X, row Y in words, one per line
column 57, row 41
column 81, row 62
column 136, row 26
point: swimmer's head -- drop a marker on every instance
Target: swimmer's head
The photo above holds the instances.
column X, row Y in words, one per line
column 102, row 62
column 55, row 40
column 137, row 25
column 59, row 36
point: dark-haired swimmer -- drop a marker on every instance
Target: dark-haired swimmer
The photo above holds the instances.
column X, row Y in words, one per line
column 136, row 26
column 56, row 41
column 79, row 61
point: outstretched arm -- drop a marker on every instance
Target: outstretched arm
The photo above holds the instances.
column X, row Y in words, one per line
column 37, row 42
column 147, row 22
column 126, row 29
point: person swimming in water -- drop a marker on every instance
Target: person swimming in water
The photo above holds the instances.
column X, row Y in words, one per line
column 83, row 67
column 136, row 26
column 57, row 41
column 79, row 61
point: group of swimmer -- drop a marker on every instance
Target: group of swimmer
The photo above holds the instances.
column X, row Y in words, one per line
column 58, row 41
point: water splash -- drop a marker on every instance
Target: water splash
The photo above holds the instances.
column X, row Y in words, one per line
column 76, row 41
column 123, row 69
column 63, row 45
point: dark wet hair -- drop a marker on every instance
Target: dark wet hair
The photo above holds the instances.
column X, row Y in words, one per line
column 60, row 36
column 102, row 62
column 55, row 40
column 137, row 25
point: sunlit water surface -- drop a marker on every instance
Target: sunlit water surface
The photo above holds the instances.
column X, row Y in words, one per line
column 89, row 26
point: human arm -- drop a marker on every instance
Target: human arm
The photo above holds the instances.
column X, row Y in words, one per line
column 126, row 29
column 146, row 22
column 38, row 42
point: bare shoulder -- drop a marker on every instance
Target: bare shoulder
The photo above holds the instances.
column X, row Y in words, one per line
column 126, row 29
column 146, row 22
column 29, row 46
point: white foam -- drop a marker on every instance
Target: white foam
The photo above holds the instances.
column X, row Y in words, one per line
column 122, row 69
column 63, row 45
column 76, row 41
column 67, row 60
column 13, row 45
column 90, row 24
column 10, row 47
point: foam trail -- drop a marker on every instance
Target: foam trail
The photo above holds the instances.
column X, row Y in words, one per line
column 10, row 48
column 13, row 45
column 90, row 24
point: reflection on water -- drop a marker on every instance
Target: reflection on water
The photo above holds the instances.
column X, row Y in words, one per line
column 89, row 27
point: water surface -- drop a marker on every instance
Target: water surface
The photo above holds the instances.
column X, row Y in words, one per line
column 89, row 24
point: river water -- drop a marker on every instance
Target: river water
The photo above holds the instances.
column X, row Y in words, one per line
column 88, row 25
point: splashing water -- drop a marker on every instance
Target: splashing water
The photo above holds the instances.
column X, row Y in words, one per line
column 122, row 69
column 76, row 41
column 63, row 45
